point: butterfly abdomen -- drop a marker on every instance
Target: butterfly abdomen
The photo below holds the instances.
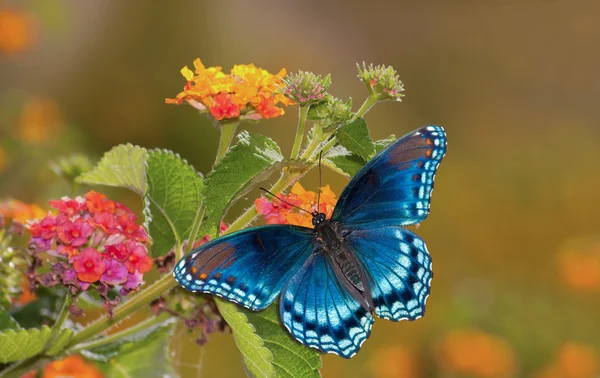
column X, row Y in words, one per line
column 346, row 265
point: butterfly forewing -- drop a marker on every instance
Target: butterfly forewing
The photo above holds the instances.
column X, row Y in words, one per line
column 394, row 188
column 249, row 267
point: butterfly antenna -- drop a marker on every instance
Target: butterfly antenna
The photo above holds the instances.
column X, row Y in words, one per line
column 319, row 191
column 284, row 201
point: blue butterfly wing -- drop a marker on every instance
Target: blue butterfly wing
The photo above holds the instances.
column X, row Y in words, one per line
column 398, row 265
column 394, row 188
column 319, row 310
column 249, row 267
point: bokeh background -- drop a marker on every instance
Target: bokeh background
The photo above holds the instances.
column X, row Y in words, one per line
column 514, row 229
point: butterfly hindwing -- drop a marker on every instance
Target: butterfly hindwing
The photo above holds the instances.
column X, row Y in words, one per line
column 249, row 267
column 395, row 186
column 399, row 266
column 319, row 311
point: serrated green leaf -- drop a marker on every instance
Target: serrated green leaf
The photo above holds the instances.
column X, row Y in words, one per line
column 18, row 345
column 173, row 198
column 290, row 358
column 355, row 137
column 381, row 144
column 106, row 352
column 147, row 358
column 343, row 161
column 60, row 341
column 257, row 359
column 7, row 322
column 245, row 164
column 123, row 166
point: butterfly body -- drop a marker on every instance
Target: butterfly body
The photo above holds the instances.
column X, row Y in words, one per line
column 346, row 267
column 332, row 278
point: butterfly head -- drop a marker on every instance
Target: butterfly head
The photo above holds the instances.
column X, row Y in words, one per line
column 318, row 218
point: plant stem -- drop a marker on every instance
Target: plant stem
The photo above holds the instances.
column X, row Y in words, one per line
column 227, row 132
column 193, row 234
column 146, row 324
column 366, row 106
column 62, row 316
column 146, row 296
column 20, row 367
column 302, row 114
column 329, row 144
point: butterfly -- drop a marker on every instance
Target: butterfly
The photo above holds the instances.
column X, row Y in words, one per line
column 333, row 277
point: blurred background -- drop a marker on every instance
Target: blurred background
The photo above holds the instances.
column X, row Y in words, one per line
column 514, row 231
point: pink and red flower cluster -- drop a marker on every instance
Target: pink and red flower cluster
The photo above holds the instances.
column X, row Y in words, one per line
column 96, row 240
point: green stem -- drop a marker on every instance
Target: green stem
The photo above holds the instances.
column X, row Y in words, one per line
column 193, row 234
column 366, row 106
column 62, row 316
column 20, row 367
column 145, row 325
column 332, row 142
column 319, row 136
column 158, row 288
column 302, row 115
column 227, row 132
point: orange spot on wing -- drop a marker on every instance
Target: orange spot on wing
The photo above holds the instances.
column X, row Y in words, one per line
column 429, row 142
column 218, row 276
column 194, row 270
column 420, row 164
column 202, row 276
column 428, row 153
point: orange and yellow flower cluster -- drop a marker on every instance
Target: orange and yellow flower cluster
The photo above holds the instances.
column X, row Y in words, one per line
column 72, row 366
column 579, row 265
column 277, row 212
column 15, row 210
column 17, row 31
column 475, row 353
column 573, row 360
column 247, row 91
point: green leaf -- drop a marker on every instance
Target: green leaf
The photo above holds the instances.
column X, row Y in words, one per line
column 148, row 357
column 123, row 166
column 7, row 322
column 172, row 201
column 381, row 144
column 250, row 161
column 258, row 360
column 290, row 358
column 18, row 345
column 106, row 352
column 355, row 137
column 343, row 161
column 60, row 342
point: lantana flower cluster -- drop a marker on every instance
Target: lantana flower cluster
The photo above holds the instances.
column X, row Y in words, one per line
column 381, row 81
column 12, row 210
column 94, row 241
column 275, row 211
column 246, row 91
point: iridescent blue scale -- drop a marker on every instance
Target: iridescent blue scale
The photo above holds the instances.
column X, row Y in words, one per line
column 331, row 279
